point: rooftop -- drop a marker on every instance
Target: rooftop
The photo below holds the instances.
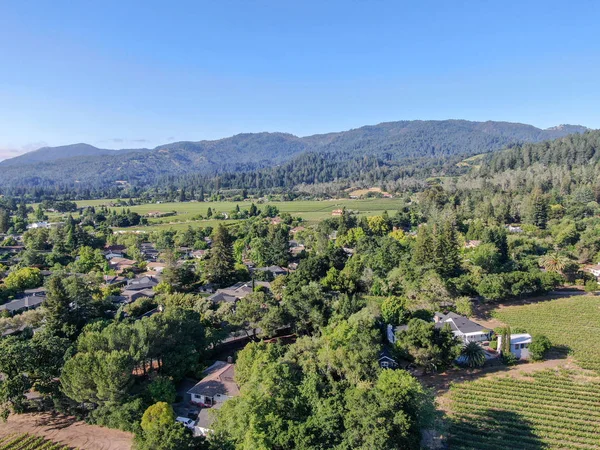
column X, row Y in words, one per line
column 219, row 379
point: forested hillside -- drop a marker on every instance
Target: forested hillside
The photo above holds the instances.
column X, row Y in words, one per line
column 402, row 146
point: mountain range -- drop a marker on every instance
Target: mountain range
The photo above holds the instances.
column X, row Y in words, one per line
column 83, row 164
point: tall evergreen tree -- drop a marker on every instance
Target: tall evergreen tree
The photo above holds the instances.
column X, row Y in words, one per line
column 422, row 254
column 539, row 210
column 220, row 264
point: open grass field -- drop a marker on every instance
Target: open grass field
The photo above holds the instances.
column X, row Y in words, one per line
column 548, row 409
column 573, row 323
column 310, row 211
column 29, row 442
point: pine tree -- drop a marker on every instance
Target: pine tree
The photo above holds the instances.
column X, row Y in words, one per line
column 56, row 306
column 4, row 220
column 540, row 210
column 422, row 254
column 220, row 264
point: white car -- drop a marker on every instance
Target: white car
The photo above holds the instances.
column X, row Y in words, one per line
column 188, row 423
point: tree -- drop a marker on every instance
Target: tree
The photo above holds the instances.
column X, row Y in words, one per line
column 554, row 262
column 157, row 417
column 539, row 346
column 25, row 278
column 423, row 246
column 220, row 264
column 4, row 220
column 505, row 349
column 430, row 347
column 389, row 415
column 539, row 213
column 394, row 310
column 473, row 354
column 161, row 432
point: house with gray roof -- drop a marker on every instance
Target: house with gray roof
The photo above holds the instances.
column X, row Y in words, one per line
column 466, row 330
column 217, row 386
column 23, row 304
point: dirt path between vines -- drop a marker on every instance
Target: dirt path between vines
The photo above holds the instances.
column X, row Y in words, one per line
column 67, row 430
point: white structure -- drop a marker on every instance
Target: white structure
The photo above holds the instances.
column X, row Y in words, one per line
column 463, row 328
column 217, row 386
column 594, row 270
column 36, row 225
column 466, row 330
column 519, row 345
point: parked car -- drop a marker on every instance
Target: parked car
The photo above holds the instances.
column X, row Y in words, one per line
column 188, row 423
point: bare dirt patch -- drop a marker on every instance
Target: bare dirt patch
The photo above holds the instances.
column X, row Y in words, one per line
column 67, row 430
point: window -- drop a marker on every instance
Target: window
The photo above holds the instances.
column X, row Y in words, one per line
column 385, row 364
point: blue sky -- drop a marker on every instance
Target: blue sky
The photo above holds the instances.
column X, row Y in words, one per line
column 138, row 74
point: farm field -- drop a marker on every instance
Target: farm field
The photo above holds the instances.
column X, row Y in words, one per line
column 554, row 408
column 572, row 323
column 547, row 409
column 29, row 442
column 310, row 211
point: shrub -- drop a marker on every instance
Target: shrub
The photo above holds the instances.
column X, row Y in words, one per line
column 540, row 344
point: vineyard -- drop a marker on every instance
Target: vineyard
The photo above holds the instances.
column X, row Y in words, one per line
column 545, row 410
column 29, row 442
column 573, row 323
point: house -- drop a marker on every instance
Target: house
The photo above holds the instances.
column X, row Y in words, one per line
column 113, row 280
column 207, row 288
column 273, row 270
column 593, row 269
column 519, row 344
column 297, row 229
column 236, row 292
column 386, row 360
column 138, row 284
column 198, row 254
column 128, row 296
column 36, row 292
column 113, row 254
column 156, row 266
column 23, row 304
column 472, row 244
column 217, row 386
column 120, row 264
column 337, row 212
column 148, row 251
column 463, row 328
column 36, row 225
column 514, row 229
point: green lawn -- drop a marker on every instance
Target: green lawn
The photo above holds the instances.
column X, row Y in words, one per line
column 572, row 322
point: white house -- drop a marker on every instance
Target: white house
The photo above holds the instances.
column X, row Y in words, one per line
column 463, row 328
column 217, row 386
column 466, row 330
column 519, row 345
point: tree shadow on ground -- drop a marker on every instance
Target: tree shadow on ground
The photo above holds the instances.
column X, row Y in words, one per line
column 54, row 421
column 493, row 430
